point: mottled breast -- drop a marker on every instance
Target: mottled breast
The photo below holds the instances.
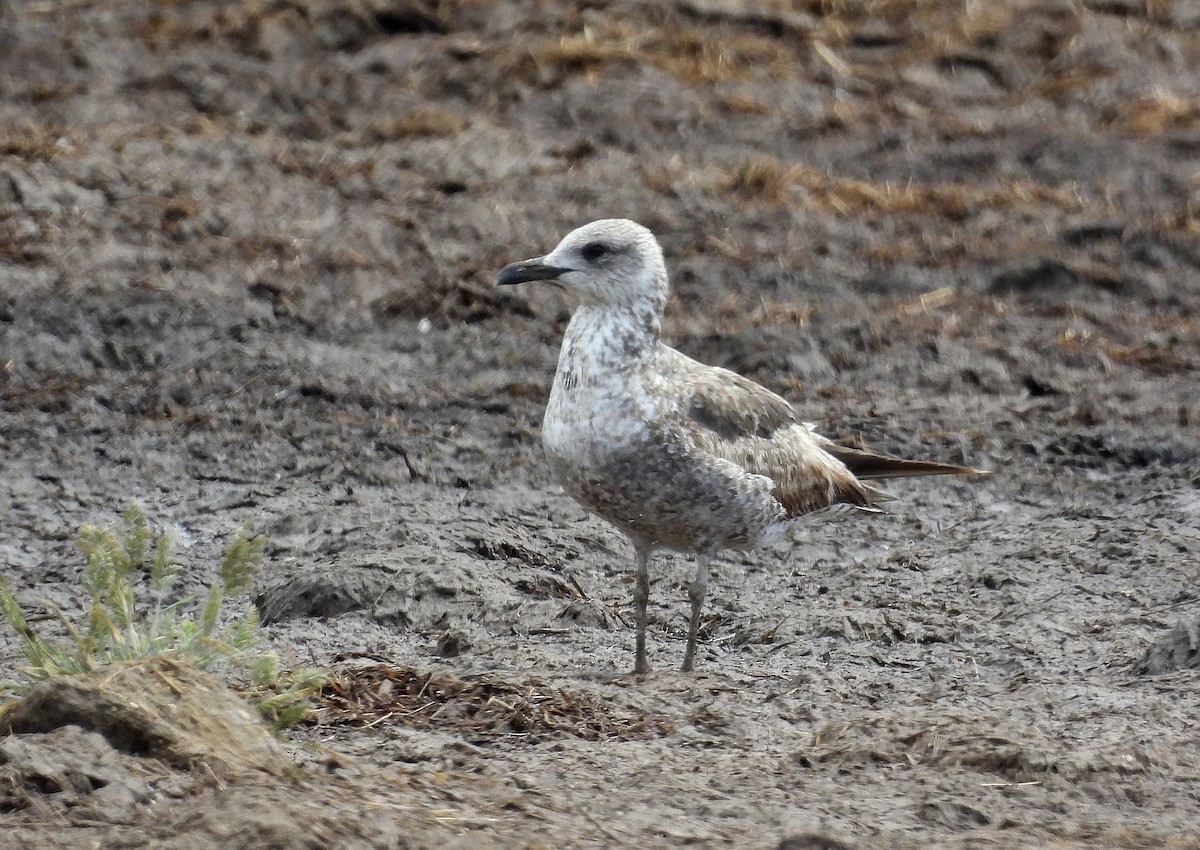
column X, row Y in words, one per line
column 662, row 493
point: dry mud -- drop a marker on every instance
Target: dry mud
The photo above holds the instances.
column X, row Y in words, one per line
column 246, row 254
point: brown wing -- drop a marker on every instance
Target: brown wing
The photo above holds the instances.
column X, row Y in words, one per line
column 734, row 418
column 734, row 407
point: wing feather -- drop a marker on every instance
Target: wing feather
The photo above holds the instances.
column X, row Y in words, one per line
column 732, row 417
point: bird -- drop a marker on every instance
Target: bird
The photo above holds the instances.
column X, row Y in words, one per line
column 676, row 454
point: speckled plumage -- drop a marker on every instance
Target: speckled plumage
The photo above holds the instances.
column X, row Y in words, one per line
column 674, row 453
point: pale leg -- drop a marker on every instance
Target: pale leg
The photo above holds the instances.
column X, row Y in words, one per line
column 641, row 596
column 696, row 591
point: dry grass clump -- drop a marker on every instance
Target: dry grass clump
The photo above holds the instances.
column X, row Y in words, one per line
column 174, row 211
column 919, row 22
column 1185, row 220
column 759, row 178
column 704, row 55
column 421, row 122
column 30, row 142
column 1155, row 114
column 732, row 315
column 664, row 177
column 696, row 55
column 1160, row 348
column 257, row 247
column 743, row 103
column 952, row 201
column 550, row 62
column 769, row 180
column 947, row 312
column 482, row 708
column 314, row 162
column 981, row 23
column 18, row 236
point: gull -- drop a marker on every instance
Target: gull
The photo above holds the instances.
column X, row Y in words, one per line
column 676, row 454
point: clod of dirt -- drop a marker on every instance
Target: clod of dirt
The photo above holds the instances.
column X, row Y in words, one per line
column 157, row 708
column 311, row 596
column 332, row 594
column 351, row 25
column 813, row 841
column 452, row 645
column 114, row 778
column 1097, row 447
column 249, row 817
column 68, row 772
column 1047, row 278
column 1179, row 650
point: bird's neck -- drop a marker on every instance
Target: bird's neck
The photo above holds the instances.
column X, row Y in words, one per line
column 613, row 336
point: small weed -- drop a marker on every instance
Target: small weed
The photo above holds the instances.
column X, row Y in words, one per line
column 1155, row 114
column 760, row 178
column 32, row 142
column 131, row 558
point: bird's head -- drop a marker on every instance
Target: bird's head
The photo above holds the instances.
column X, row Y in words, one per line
column 613, row 261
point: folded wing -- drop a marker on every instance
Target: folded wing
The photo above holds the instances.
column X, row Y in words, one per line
column 734, row 418
column 731, row 417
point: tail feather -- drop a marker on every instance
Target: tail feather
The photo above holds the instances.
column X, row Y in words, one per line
column 868, row 465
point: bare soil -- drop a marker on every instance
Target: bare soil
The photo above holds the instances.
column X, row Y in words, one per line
column 246, row 264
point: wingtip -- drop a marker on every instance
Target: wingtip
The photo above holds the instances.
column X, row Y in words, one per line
column 868, row 465
column 951, row 469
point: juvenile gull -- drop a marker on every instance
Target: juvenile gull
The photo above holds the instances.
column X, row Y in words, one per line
column 674, row 453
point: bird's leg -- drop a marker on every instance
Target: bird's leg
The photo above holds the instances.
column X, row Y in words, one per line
column 696, row 591
column 641, row 596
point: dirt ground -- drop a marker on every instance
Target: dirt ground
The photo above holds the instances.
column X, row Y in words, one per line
column 246, row 264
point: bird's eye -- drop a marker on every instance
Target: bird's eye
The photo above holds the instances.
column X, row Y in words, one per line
column 594, row 251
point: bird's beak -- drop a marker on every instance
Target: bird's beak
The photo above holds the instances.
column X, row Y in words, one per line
column 528, row 270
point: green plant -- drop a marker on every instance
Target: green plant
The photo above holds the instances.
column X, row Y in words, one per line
column 123, row 560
